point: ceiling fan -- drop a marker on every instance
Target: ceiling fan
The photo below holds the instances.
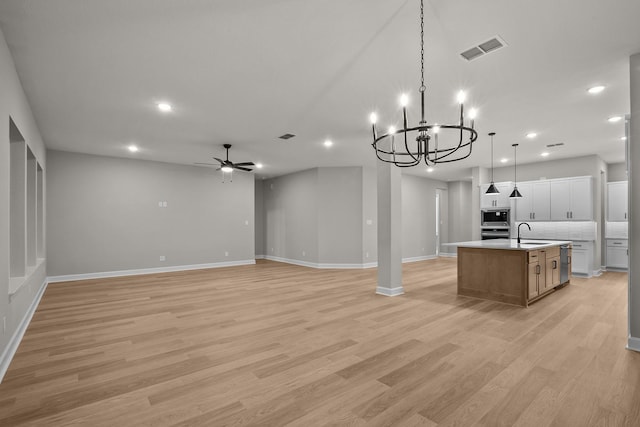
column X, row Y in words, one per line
column 227, row 165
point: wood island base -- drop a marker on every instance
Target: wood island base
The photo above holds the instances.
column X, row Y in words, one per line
column 517, row 277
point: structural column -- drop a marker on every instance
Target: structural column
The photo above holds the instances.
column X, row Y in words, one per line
column 634, row 206
column 389, row 230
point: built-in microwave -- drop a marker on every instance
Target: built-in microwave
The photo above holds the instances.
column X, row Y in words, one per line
column 495, row 217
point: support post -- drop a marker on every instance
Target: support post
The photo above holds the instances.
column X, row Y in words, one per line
column 389, row 230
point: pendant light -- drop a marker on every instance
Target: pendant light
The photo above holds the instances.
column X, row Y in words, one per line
column 492, row 188
column 515, row 194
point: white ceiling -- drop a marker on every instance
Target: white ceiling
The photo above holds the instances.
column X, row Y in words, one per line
column 246, row 72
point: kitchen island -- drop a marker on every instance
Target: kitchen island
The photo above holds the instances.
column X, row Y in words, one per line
column 507, row 271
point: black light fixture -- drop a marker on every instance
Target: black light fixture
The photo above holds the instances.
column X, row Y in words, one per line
column 492, row 188
column 515, row 194
column 401, row 154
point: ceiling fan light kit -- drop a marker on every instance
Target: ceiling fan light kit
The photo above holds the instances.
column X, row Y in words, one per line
column 227, row 166
column 405, row 153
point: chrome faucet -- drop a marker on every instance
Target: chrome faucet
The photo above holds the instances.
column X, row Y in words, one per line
column 522, row 223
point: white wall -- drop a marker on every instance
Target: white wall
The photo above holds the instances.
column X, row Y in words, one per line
column 340, row 215
column 617, row 172
column 330, row 214
column 419, row 216
column 259, row 218
column 104, row 215
column 291, row 216
column 460, row 213
column 13, row 104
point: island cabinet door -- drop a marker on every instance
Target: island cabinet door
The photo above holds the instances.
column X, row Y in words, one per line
column 534, row 267
column 552, row 272
column 533, row 274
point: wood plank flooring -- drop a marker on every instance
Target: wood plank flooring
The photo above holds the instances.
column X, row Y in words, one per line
column 277, row 344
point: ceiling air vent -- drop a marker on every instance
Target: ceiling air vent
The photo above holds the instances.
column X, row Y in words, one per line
column 286, row 136
column 489, row 46
column 555, row 145
column 472, row 53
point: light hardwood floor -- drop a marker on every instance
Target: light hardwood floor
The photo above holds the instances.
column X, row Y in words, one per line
column 276, row 344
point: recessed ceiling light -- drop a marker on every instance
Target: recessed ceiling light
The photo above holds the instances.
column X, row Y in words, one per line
column 614, row 119
column 596, row 89
column 544, row 154
column 259, row 165
column 504, row 160
column 165, row 107
column 623, row 138
column 133, row 148
column 429, row 170
column 531, row 135
column 328, row 143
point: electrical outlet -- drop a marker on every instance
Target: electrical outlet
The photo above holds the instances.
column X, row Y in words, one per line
column 366, row 254
column 246, row 222
column 304, row 253
column 369, row 222
column 226, row 253
column 159, row 204
column 163, row 258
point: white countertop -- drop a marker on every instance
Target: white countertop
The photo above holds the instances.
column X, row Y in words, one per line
column 511, row 244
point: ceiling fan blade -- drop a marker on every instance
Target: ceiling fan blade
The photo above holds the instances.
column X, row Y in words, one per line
column 244, row 164
column 221, row 161
column 208, row 164
column 241, row 168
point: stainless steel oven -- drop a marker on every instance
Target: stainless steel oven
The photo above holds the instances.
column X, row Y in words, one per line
column 495, row 218
column 488, row 233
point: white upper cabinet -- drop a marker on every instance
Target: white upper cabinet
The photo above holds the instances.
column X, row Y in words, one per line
column 494, row 201
column 617, row 203
column 535, row 203
column 571, row 199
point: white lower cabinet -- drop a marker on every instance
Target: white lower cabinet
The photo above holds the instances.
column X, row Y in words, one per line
column 581, row 258
column 617, row 253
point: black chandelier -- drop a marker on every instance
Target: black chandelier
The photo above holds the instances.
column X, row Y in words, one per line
column 405, row 153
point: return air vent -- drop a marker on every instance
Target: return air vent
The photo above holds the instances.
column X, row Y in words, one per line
column 555, row 145
column 286, row 136
column 483, row 48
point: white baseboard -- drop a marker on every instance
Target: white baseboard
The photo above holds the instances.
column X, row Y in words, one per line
column 120, row 273
column 596, row 273
column 418, row 258
column 390, row 292
column 633, row 344
column 14, row 342
column 341, row 265
column 261, row 256
column 448, row 255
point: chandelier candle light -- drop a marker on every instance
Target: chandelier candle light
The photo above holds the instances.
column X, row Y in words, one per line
column 404, row 155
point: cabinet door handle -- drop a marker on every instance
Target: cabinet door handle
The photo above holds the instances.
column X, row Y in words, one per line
column 537, row 269
column 625, row 215
column 567, row 214
column 617, row 243
column 555, row 264
column 534, row 215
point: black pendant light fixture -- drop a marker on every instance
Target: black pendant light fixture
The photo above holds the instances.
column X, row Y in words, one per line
column 492, row 188
column 515, row 194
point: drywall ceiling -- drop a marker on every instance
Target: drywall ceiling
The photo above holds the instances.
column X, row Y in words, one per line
column 246, row 72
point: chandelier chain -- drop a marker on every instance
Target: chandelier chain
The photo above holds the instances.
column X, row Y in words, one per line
column 422, row 87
